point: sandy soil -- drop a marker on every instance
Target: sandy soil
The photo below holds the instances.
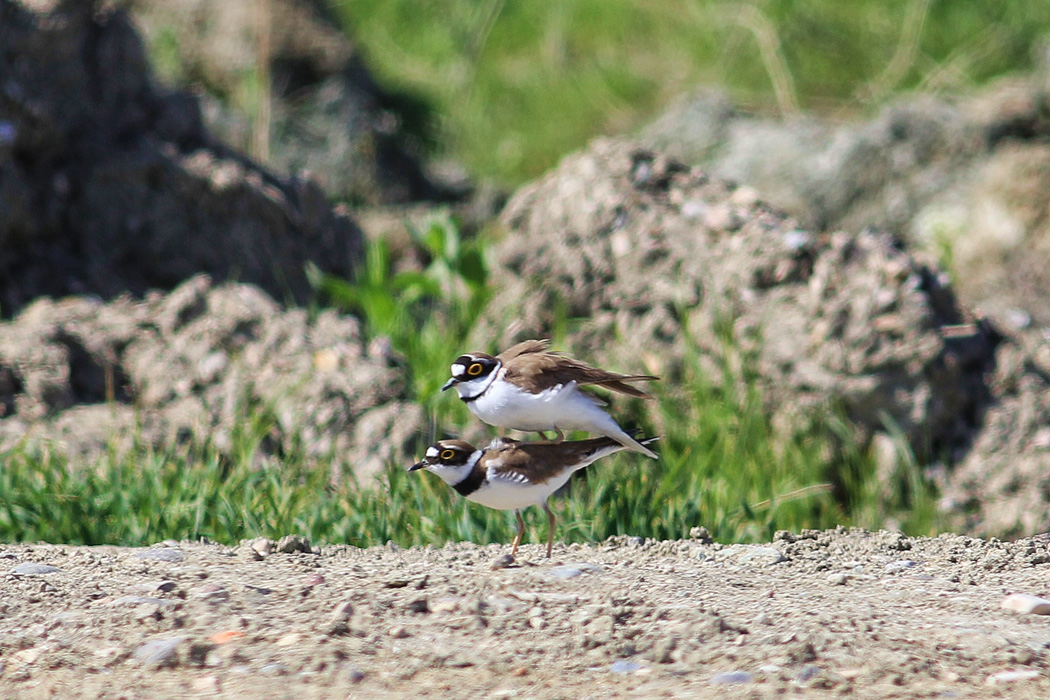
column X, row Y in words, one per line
column 820, row 614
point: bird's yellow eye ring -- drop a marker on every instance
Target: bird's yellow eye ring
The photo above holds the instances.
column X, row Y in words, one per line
column 475, row 369
column 448, row 454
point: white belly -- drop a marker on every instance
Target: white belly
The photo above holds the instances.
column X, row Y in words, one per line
column 564, row 407
column 504, row 494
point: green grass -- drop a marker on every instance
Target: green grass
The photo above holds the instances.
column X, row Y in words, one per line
column 517, row 85
column 720, row 467
column 425, row 314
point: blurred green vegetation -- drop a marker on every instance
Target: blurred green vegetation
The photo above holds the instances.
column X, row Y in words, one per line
column 517, row 85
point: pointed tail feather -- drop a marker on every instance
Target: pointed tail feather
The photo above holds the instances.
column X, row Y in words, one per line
column 637, row 445
column 607, row 445
column 620, row 385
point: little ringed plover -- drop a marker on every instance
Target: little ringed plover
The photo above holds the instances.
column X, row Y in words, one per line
column 533, row 389
column 511, row 475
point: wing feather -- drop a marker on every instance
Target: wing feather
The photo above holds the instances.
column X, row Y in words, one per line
column 538, row 463
column 530, row 363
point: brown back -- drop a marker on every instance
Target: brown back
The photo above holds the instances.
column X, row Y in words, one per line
column 531, row 365
column 540, row 462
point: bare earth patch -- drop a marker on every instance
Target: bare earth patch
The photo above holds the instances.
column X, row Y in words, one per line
column 817, row 614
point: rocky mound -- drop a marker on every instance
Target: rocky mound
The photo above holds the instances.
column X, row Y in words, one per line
column 191, row 366
column 962, row 177
column 281, row 81
column 111, row 184
column 655, row 256
column 1002, row 486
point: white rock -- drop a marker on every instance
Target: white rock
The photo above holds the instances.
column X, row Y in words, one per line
column 1011, row 676
column 750, row 554
column 1026, row 603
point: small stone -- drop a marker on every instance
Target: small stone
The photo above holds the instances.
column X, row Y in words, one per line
column 159, row 653
column 567, row 571
column 797, row 240
column 225, row 637
column 398, row 632
column 153, row 587
column 502, row 562
column 206, row 684
column 313, row 580
column 28, row 656
column 625, row 666
column 731, row 678
column 1026, row 603
column 33, row 569
column 1011, row 676
column 445, row 605
column 356, row 675
column 837, row 579
column 700, row 533
column 749, row 554
column 342, row 612
column 289, row 640
column 167, row 554
column 290, row 544
column 694, row 208
column 274, row 669
column 418, row 606
column 662, row 649
column 142, row 600
column 459, row 660
column 721, row 217
column 807, row 673
column 894, row 567
column 262, row 546
column 211, row 593
column 107, row 655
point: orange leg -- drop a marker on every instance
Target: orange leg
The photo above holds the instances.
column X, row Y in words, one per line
column 521, row 531
column 559, row 436
column 550, row 532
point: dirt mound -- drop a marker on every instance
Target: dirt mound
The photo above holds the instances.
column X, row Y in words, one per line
column 654, row 256
column 281, row 81
column 1002, row 487
column 110, row 184
column 818, row 614
column 191, row 365
column 961, row 177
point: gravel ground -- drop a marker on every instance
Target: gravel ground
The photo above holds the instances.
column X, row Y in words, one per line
column 817, row 614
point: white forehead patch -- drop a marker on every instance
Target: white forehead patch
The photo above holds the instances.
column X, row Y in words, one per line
column 458, row 369
column 432, row 452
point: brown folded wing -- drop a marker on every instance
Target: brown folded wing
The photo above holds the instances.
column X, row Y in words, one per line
column 529, row 364
column 538, row 463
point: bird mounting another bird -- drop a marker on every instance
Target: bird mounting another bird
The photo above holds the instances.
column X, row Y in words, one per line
column 531, row 388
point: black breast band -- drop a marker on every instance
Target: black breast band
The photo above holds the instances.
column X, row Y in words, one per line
column 473, row 481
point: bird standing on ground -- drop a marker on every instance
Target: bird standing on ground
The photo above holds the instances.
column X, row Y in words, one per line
column 531, row 388
column 512, row 475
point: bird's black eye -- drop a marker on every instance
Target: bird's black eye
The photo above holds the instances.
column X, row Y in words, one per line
column 447, row 454
column 475, row 369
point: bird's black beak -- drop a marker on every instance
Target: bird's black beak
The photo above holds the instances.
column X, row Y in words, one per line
column 450, row 383
column 417, row 465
